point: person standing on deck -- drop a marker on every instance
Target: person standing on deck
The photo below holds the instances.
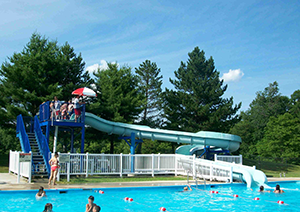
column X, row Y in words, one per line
column 54, row 168
column 77, row 110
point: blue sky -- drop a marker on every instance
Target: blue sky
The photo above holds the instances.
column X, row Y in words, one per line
column 257, row 40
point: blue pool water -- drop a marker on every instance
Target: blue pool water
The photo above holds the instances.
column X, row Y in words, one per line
column 152, row 198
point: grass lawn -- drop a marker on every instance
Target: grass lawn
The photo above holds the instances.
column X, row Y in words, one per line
column 273, row 169
column 4, row 163
column 101, row 179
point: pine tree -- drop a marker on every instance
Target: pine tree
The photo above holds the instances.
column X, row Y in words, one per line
column 41, row 71
column 197, row 103
column 119, row 99
column 149, row 84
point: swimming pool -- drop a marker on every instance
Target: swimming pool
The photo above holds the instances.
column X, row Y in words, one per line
column 152, row 198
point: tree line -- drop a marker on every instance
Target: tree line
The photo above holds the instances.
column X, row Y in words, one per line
column 44, row 69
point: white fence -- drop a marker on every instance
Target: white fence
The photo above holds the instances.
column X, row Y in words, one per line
column 117, row 164
column 204, row 169
column 229, row 158
column 139, row 164
column 16, row 166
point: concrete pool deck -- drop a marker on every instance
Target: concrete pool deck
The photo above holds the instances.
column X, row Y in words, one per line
column 9, row 182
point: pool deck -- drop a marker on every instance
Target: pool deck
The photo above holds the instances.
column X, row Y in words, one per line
column 9, row 182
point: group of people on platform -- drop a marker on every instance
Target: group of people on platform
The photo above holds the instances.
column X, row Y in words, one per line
column 90, row 206
column 64, row 110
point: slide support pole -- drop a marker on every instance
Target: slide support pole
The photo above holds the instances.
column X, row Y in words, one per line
column 132, row 150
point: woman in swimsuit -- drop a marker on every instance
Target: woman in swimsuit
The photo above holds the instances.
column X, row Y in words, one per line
column 54, row 168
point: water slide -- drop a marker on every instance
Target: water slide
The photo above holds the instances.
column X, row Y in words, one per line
column 197, row 140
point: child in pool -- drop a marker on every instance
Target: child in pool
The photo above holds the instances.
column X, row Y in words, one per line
column 41, row 193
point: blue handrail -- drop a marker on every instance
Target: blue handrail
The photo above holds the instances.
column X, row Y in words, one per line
column 22, row 135
column 42, row 142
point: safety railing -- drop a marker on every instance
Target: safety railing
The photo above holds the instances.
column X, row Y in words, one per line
column 116, row 164
column 21, row 164
column 22, row 135
column 237, row 159
column 205, row 169
column 42, row 142
column 151, row 164
column 45, row 114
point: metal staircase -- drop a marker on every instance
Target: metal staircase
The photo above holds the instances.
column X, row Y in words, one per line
column 38, row 163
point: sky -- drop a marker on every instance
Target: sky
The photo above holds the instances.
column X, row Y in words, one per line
column 253, row 43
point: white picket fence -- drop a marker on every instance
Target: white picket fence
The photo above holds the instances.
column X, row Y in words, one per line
column 22, row 169
column 117, row 164
column 230, row 158
column 120, row 164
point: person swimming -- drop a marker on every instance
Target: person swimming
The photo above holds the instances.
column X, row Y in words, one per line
column 187, row 188
column 278, row 190
column 48, row 207
column 91, row 205
column 262, row 189
column 41, row 193
column 96, row 208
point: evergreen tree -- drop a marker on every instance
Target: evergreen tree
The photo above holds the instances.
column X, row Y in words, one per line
column 197, row 103
column 119, row 99
column 41, row 71
column 149, row 84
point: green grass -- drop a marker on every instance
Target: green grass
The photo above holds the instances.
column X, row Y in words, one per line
column 273, row 169
column 4, row 163
column 102, row 179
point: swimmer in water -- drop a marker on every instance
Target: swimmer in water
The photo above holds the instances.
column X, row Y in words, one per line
column 91, row 205
column 48, row 207
column 187, row 188
column 41, row 193
column 262, row 189
column 278, row 190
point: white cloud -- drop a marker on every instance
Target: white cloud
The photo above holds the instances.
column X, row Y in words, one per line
column 232, row 75
column 93, row 68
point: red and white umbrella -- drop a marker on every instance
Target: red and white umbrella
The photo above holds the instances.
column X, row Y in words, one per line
column 84, row 92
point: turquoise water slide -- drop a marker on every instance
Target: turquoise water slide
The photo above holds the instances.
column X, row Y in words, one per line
column 205, row 138
column 196, row 141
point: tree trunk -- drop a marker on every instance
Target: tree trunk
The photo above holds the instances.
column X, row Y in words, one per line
column 111, row 146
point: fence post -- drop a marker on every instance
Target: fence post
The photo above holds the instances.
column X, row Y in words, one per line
column 121, row 164
column 9, row 165
column 216, row 157
column 158, row 162
column 87, row 165
column 231, row 177
column 58, row 172
column 152, row 165
column 30, row 166
column 18, row 169
column 194, row 166
column 211, row 169
column 68, row 169
column 176, row 165
column 241, row 159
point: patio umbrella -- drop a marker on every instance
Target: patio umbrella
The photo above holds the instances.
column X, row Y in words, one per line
column 84, row 92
